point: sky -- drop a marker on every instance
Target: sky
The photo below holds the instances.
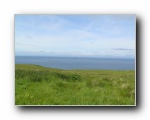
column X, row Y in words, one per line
column 92, row 35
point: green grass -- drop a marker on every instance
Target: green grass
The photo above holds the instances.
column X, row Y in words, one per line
column 36, row 85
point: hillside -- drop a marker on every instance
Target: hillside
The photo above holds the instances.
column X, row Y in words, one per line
column 37, row 85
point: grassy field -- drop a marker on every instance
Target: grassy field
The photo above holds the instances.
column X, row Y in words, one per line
column 36, row 85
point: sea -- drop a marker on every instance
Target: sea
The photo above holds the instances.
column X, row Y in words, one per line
column 71, row 63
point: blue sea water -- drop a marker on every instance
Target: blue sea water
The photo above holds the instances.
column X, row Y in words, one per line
column 69, row 63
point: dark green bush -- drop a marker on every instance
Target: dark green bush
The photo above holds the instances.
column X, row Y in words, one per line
column 38, row 76
column 35, row 76
column 68, row 77
column 20, row 73
column 61, row 76
column 76, row 77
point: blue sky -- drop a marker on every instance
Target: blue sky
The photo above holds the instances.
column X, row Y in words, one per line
column 76, row 35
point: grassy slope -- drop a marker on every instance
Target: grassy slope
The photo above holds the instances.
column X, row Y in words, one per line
column 36, row 85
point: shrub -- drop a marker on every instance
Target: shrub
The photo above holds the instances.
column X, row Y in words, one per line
column 20, row 73
column 76, row 77
column 61, row 76
column 36, row 77
column 68, row 77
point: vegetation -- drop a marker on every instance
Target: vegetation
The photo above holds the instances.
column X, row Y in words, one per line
column 36, row 85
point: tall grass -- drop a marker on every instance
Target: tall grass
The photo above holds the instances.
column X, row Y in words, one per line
column 35, row 85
